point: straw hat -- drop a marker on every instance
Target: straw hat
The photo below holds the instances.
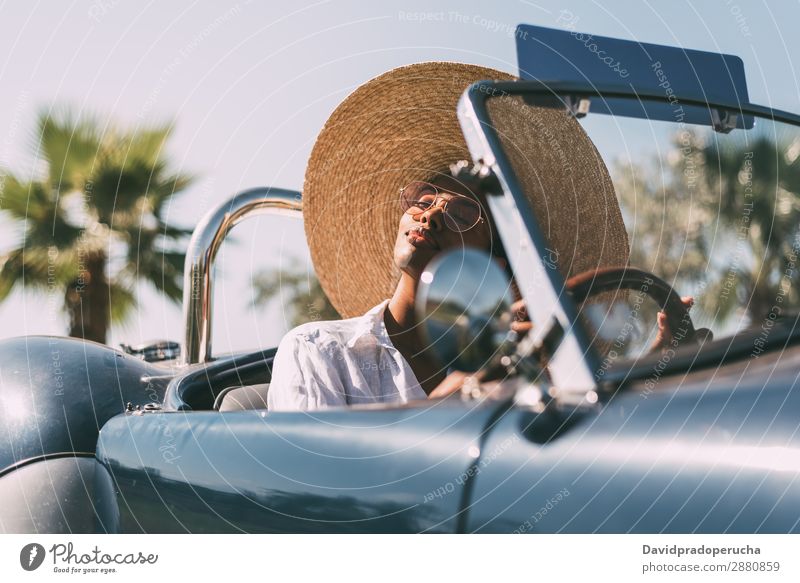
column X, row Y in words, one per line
column 402, row 126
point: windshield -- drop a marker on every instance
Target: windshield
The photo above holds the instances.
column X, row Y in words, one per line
column 716, row 215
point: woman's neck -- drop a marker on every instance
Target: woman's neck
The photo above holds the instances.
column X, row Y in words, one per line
column 399, row 317
column 401, row 325
column 402, row 305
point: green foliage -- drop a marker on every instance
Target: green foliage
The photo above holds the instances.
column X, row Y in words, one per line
column 298, row 291
column 720, row 215
column 91, row 221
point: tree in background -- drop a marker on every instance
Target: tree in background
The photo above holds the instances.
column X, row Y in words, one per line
column 720, row 216
column 300, row 294
column 664, row 221
column 755, row 187
column 92, row 221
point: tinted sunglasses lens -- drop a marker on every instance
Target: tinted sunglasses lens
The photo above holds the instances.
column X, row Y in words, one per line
column 462, row 213
column 416, row 192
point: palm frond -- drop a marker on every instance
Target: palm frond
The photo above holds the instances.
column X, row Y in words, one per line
column 122, row 302
column 146, row 146
column 162, row 268
column 162, row 191
column 17, row 197
column 37, row 267
column 70, row 143
column 118, row 189
column 11, row 272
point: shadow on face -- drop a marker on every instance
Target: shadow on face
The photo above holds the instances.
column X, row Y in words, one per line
column 423, row 235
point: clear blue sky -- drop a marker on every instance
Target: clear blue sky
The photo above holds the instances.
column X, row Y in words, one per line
column 251, row 83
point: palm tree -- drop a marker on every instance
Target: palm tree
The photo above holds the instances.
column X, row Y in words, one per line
column 304, row 299
column 93, row 220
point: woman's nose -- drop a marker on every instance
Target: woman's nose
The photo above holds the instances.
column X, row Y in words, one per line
column 433, row 217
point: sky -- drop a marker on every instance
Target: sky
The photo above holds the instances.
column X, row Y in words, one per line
column 249, row 85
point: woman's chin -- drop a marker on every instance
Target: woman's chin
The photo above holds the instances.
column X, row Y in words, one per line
column 412, row 260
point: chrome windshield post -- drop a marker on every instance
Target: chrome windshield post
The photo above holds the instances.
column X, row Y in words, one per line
column 552, row 313
column 206, row 241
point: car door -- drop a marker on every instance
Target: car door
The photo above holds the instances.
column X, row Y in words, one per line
column 713, row 451
column 367, row 469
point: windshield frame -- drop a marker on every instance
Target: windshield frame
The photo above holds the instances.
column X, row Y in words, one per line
column 574, row 361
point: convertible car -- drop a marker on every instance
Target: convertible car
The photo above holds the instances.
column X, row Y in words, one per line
column 598, row 426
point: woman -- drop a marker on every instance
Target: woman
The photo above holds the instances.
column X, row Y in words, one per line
column 399, row 133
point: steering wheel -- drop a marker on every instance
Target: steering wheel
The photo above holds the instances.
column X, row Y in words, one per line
column 606, row 279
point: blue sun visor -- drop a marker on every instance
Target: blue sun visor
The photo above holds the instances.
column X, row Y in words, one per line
column 666, row 83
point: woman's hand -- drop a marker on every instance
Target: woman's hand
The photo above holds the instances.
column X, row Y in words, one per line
column 521, row 324
column 664, row 335
column 451, row 384
column 455, row 382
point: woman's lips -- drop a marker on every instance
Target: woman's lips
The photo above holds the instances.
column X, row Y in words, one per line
column 421, row 238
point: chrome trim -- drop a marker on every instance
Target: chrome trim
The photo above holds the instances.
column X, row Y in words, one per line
column 206, row 241
column 560, row 90
column 572, row 366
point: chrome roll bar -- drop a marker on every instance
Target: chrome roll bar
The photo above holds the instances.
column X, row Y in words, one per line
column 206, row 241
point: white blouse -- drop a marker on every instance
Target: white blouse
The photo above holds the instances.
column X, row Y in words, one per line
column 340, row 362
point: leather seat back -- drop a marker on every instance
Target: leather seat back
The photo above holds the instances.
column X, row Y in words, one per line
column 242, row 398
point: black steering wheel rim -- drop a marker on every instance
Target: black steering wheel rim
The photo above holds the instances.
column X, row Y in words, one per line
column 609, row 279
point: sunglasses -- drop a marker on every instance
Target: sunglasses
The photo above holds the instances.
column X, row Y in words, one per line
column 461, row 213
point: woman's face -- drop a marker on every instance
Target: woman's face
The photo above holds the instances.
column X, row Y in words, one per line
column 423, row 235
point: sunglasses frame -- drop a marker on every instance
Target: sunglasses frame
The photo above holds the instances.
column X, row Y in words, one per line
column 438, row 196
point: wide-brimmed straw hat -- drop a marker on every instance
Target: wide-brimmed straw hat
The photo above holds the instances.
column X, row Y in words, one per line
column 402, row 126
